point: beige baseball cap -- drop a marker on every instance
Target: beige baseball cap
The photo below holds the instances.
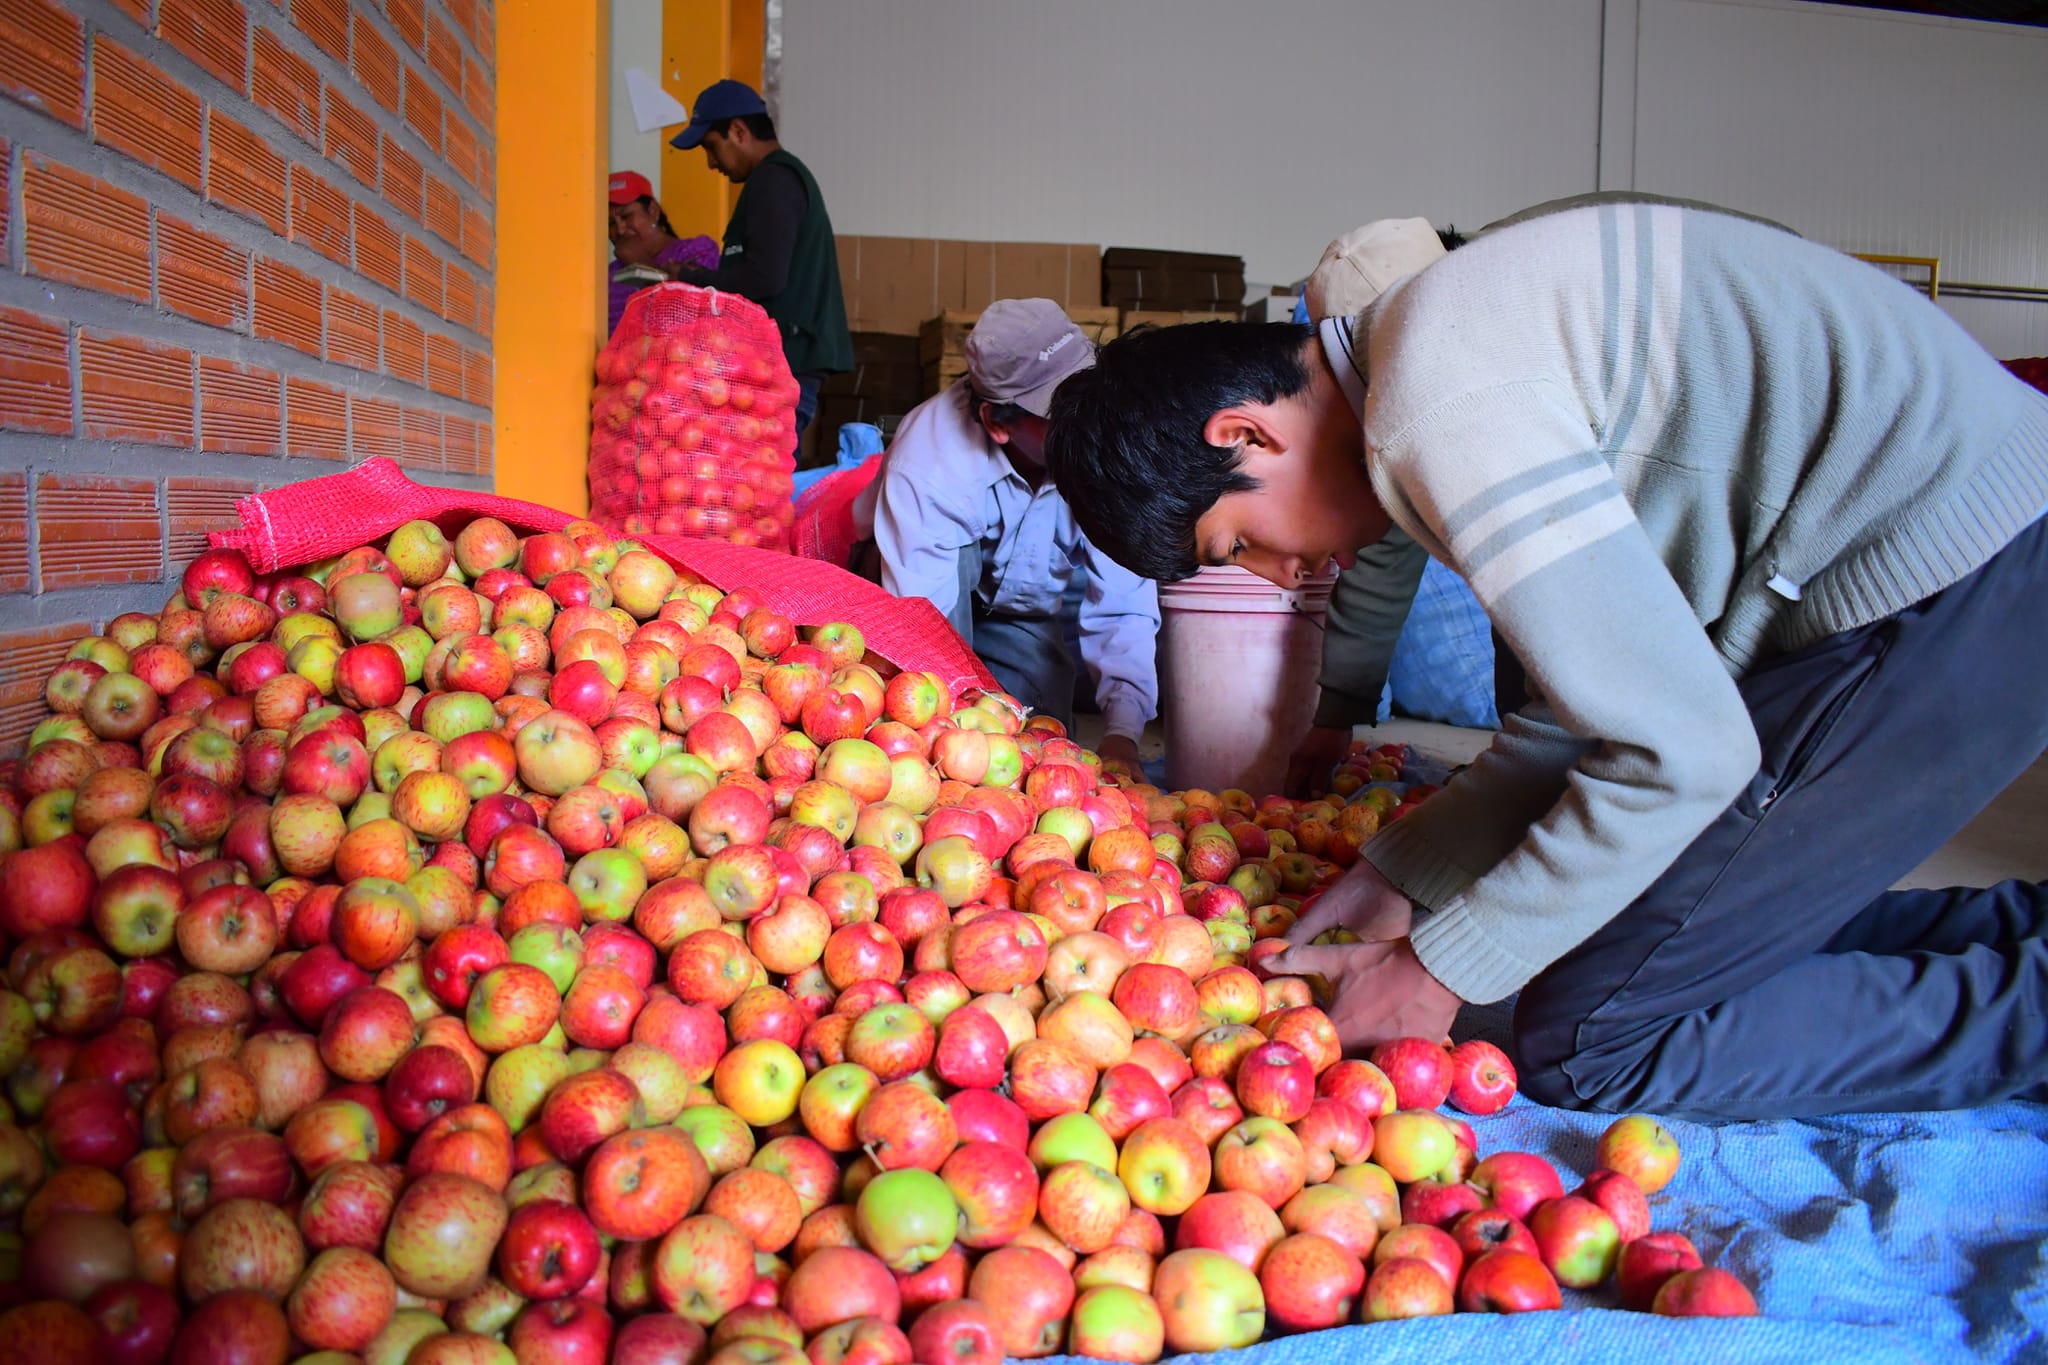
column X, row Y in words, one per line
column 1366, row 262
column 1020, row 350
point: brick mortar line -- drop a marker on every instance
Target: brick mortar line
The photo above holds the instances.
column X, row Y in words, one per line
column 82, row 307
column 97, row 457
column 31, row 132
column 244, row 109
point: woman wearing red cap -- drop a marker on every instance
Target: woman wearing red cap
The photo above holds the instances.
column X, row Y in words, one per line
column 645, row 248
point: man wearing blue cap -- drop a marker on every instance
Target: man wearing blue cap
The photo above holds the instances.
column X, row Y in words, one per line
column 779, row 250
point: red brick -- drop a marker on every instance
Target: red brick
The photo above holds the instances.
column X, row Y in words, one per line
column 7, row 177
column 316, row 420
column 241, row 409
column 458, row 445
column 374, row 428
column 420, row 433
column 26, row 658
column 201, row 275
column 444, row 366
column 483, row 34
column 92, row 531
column 287, row 306
column 478, row 239
column 409, row 18
column 377, row 249
column 349, row 137
column 35, row 373
column 422, row 275
column 196, row 506
column 351, row 330
column 375, row 62
column 405, row 349
column 243, row 173
column 213, row 33
column 462, row 152
column 83, row 231
column 139, row 110
column 42, row 59
column 476, row 377
column 135, row 390
column 487, row 175
column 444, row 52
column 286, row 85
column 464, row 12
column 138, row 10
column 479, row 95
column 458, row 302
column 484, row 310
column 326, row 23
column 422, row 108
column 403, row 179
column 443, row 214
column 319, row 214
column 486, row 452
column 14, row 532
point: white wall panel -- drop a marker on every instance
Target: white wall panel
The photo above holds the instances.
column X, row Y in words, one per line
column 1869, row 130
column 1212, row 125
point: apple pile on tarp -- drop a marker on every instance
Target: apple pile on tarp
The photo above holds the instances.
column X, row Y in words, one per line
column 511, row 950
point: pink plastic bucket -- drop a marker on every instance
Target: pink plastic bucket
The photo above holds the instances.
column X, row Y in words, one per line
column 1238, row 662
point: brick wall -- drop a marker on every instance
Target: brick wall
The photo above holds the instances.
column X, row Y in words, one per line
column 242, row 242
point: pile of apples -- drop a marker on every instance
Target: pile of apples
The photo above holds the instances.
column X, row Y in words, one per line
column 513, row 950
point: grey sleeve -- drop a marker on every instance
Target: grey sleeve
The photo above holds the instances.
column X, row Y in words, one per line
column 1369, row 605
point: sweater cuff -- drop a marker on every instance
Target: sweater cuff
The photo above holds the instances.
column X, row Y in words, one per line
column 1416, row 867
column 1457, row 953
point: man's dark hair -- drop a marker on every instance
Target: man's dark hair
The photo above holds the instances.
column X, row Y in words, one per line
column 760, row 125
column 1126, row 446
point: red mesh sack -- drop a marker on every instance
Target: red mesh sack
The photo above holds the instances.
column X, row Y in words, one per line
column 305, row 522
column 693, row 424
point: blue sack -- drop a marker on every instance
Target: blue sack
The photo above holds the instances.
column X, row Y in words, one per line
column 859, row 442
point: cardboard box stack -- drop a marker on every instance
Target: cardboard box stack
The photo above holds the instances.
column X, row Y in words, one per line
column 894, row 284
column 941, row 340
column 883, row 384
column 1142, row 280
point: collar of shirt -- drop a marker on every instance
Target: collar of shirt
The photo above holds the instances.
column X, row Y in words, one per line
column 1341, row 346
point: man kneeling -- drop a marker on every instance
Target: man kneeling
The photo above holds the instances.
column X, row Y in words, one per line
column 964, row 515
column 1762, row 528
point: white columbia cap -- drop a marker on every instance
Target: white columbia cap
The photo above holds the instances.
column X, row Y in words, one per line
column 1365, row 262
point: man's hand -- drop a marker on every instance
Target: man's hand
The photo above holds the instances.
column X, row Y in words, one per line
column 1362, row 901
column 1120, row 754
column 1308, row 767
column 1378, row 991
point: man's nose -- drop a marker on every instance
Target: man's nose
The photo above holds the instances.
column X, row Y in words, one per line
column 1281, row 570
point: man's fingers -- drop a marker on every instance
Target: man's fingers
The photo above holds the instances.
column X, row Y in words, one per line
column 1312, row 959
column 1316, row 920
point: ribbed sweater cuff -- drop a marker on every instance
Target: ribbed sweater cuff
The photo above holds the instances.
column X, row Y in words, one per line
column 1458, row 953
column 1448, row 942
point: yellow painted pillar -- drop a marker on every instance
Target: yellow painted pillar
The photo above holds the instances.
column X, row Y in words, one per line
column 552, row 76
column 704, row 41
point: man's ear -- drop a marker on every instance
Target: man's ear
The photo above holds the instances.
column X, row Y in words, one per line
column 1249, row 428
column 997, row 432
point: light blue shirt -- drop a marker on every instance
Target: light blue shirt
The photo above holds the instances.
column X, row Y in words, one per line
column 945, row 486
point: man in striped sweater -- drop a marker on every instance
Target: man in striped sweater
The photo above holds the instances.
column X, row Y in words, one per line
column 1761, row 526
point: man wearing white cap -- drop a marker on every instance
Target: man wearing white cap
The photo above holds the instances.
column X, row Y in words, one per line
column 963, row 514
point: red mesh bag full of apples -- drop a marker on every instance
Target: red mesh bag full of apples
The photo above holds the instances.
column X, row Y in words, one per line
column 693, row 424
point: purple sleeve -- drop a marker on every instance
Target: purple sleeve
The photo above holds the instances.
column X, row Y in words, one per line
column 699, row 253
